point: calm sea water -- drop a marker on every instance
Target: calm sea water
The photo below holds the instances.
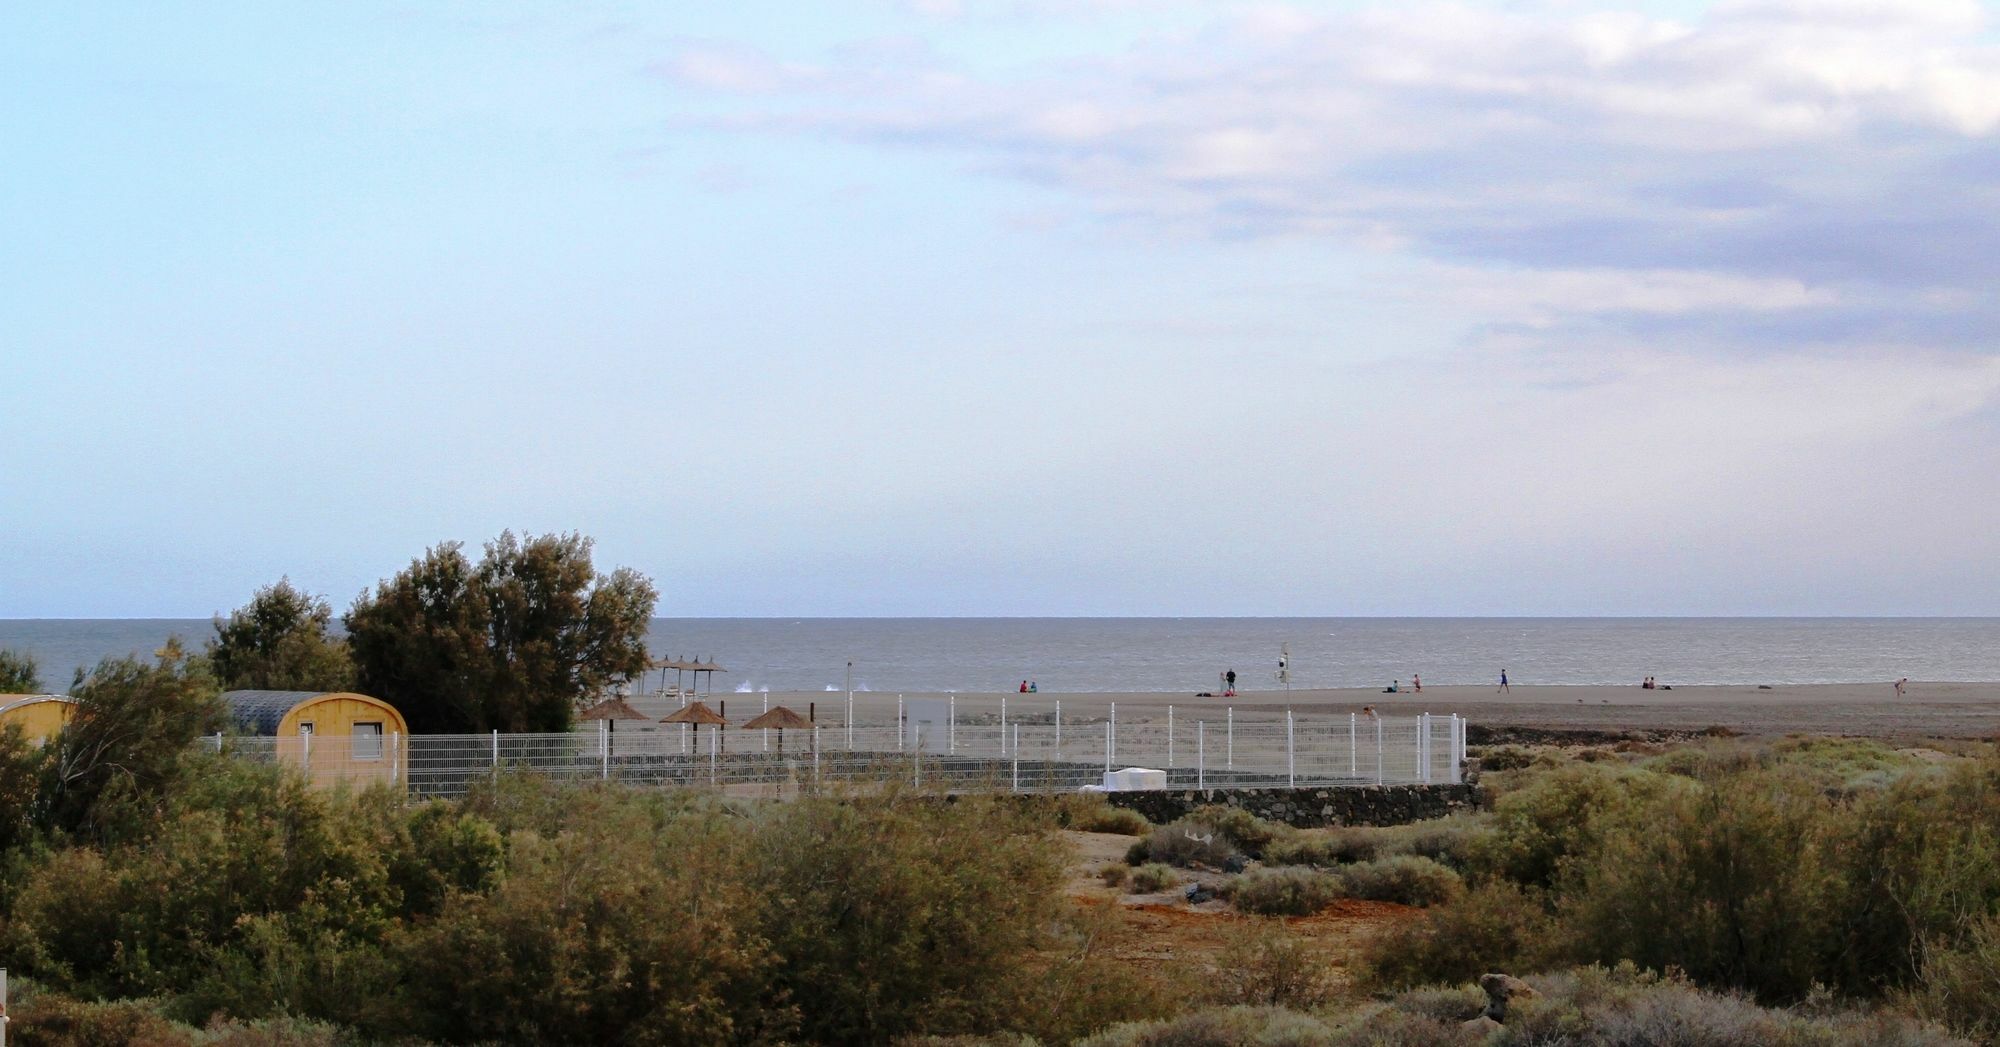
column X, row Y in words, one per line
column 1174, row 654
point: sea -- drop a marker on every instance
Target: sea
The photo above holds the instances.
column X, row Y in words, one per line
column 1074, row 655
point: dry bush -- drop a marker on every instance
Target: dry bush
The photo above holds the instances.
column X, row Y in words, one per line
column 1285, row 891
column 1153, row 877
column 1186, row 843
column 1251, row 835
column 1265, row 963
column 1113, row 874
column 1221, row 1027
column 1625, row 1007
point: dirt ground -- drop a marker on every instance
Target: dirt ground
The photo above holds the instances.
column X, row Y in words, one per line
column 1157, row 929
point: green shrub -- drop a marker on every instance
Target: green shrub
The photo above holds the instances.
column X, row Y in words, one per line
column 1730, row 883
column 1504, row 758
column 1405, row 879
column 1286, row 891
column 1093, row 813
column 1540, row 827
column 898, row 915
column 1496, row 927
column 1153, row 877
column 627, row 933
column 1326, row 847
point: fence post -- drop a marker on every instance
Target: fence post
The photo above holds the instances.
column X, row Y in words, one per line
column 1017, row 750
column 917, row 755
column 850, row 721
column 1003, row 723
column 604, row 749
column 850, row 727
column 1107, row 747
column 395, row 757
column 899, row 723
column 711, row 754
column 951, row 725
column 496, row 754
column 1229, row 755
column 1378, row 750
column 1059, row 728
column 1111, row 744
column 218, row 743
column 306, row 752
column 1353, row 749
column 1291, row 764
column 1424, row 747
column 1170, row 738
column 1201, row 754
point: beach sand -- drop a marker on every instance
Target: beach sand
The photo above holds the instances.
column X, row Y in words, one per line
column 1927, row 710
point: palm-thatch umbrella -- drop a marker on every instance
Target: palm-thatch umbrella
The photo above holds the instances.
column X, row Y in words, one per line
column 780, row 718
column 697, row 714
column 610, row 711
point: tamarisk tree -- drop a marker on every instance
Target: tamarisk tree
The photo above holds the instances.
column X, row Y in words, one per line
column 515, row 642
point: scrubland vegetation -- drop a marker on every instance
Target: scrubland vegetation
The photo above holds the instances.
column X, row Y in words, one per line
column 1809, row 892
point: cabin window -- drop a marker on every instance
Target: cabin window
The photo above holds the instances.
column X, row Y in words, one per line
column 305, row 727
column 368, row 741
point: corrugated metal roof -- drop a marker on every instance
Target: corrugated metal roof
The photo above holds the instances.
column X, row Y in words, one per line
column 260, row 711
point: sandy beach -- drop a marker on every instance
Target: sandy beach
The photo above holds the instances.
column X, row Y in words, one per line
column 1935, row 710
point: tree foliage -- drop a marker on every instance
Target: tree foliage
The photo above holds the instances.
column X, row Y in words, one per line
column 19, row 674
column 280, row 641
column 126, row 743
column 515, row 642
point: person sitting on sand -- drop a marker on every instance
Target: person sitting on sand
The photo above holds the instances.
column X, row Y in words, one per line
column 1394, row 686
column 1034, row 688
column 1024, row 687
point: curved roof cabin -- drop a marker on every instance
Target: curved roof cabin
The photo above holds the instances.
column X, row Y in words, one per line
column 39, row 715
column 333, row 735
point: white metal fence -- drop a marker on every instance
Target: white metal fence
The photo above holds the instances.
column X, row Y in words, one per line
column 985, row 755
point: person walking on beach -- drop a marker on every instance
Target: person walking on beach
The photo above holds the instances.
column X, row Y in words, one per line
column 1416, row 683
column 1900, row 685
column 1504, row 689
column 1231, row 677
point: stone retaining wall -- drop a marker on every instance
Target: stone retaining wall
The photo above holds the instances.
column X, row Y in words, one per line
column 1310, row 808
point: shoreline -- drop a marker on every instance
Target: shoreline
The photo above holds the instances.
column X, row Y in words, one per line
column 1927, row 709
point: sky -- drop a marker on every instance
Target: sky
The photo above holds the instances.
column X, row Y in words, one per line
column 1009, row 307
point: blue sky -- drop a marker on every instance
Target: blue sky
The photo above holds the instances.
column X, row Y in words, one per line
column 1010, row 306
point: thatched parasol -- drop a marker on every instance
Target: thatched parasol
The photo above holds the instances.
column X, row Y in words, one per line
column 695, row 713
column 613, row 709
column 780, row 718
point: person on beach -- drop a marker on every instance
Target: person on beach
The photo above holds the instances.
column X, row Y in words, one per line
column 1416, row 684
column 1900, row 685
column 1503, row 684
column 1024, row 687
column 1033, row 687
column 1394, row 687
column 1231, row 677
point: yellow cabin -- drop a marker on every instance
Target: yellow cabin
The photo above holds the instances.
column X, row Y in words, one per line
column 40, row 716
column 334, row 735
